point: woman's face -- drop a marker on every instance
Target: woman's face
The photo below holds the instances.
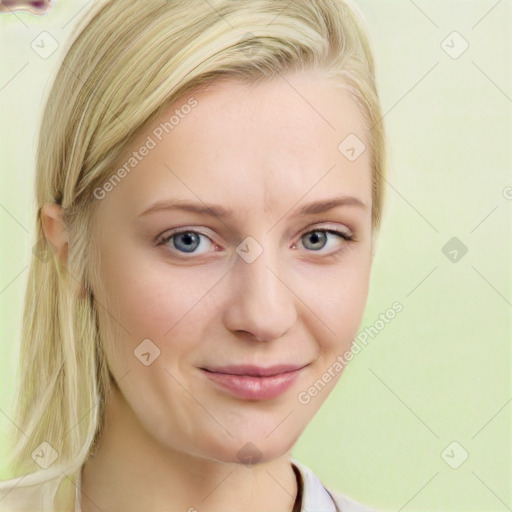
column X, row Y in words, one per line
column 258, row 282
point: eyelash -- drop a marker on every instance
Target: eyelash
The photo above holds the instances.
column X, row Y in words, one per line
column 348, row 238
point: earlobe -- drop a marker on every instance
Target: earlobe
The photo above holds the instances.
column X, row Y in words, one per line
column 55, row 230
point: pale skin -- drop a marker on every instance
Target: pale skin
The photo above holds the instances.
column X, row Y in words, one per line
column 171, row 438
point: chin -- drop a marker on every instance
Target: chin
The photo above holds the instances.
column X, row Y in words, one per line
column 250, row 450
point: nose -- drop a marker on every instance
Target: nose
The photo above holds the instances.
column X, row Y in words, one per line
column 261, row 302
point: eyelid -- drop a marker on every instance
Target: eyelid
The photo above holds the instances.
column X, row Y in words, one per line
column 184, row 229
column 341, row 230
column 329, row 226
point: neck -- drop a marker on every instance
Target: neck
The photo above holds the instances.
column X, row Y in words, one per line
column 131, row 471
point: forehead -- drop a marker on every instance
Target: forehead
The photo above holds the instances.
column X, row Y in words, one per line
column 254, row 146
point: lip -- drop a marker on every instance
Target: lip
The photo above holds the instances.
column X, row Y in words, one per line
column 254, row 382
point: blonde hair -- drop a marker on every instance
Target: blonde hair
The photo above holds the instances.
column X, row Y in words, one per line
column 129, row 62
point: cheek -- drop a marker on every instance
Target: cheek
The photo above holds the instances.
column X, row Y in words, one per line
column 151, row 300
column 338, row 300
column 147, row 300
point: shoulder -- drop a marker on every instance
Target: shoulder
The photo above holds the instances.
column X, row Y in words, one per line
column 32, row 492
column 317, row 497
column 346, row 504
column 15, row 497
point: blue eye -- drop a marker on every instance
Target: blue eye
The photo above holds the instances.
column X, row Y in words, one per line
column 188, row 241
column 185, row 241
column 319, row 238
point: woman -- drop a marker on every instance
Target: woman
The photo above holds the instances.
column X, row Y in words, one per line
column 210, row 187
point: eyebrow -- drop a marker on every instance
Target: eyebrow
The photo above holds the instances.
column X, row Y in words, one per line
column 216, row 210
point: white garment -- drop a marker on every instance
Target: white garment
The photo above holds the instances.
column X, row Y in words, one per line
column 36, row 497
column 317, row 498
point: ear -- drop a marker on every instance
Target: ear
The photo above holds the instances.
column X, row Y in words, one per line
column 55, row 230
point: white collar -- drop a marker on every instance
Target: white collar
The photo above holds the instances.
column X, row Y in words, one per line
column 315, row 497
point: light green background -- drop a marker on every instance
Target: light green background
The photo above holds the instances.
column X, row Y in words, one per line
column 440, row 371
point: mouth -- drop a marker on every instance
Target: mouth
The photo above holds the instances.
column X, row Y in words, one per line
column 254, row 382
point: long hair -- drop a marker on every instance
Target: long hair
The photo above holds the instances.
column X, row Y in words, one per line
column 128, row 63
